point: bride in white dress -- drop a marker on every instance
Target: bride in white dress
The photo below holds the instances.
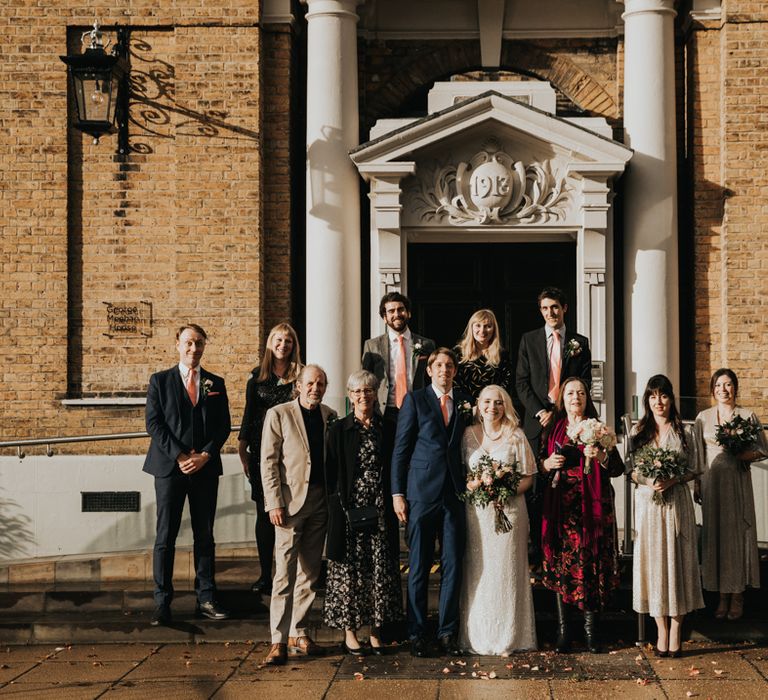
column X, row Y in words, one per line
column 496, row 599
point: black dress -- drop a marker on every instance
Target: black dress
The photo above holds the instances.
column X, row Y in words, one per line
column 363, row 586
column 474, row 375
column 259, row 398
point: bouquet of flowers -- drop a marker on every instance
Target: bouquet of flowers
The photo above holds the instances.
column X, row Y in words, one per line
column 659, row 464
column 592, row 432
column 737, row 435
column 492, row 481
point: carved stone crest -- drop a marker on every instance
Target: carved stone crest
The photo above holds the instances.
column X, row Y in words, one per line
column 491, row 188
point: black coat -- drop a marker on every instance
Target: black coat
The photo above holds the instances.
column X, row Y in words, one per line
column 340, row 463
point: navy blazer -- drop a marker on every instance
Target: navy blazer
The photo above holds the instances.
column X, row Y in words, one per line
column 164, row 420
column 427, row 452
column 532, row 373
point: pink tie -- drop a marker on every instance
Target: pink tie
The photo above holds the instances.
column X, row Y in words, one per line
column 444, row 408
column 555, row 367
column 191, row 388
column 401, row 375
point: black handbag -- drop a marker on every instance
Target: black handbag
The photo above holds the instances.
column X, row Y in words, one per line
column 363, row 518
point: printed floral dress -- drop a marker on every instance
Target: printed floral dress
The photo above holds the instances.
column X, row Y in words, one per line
column 473, row 376
column 365, row 588
column 579, row 529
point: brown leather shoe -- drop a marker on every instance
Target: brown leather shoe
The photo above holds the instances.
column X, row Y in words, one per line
column 278, row 653
column 304, row 645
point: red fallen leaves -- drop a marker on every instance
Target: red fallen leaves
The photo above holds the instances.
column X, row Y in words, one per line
column 642, row 681
column 359, row 676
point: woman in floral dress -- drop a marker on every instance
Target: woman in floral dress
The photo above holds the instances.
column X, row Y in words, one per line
column 579, row 524
column 482, row 360
column 665, row 576
column 270, row 384
column 363, row 585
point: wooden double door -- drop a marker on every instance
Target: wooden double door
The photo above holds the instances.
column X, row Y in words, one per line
column 447, row 282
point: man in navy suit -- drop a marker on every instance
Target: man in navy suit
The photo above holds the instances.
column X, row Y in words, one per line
column 541, row 350
column 427, row 475
column 187, row 417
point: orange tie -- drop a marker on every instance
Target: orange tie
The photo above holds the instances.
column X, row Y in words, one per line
column 191, row 388
column 401, row 375
column 555, row 367
column 444, row 408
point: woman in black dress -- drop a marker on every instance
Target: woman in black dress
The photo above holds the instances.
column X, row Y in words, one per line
column 363, row 585
column 270, row 384
column 482, row 360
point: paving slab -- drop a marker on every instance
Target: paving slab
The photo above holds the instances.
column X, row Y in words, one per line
column 272, row 690
column 23, row 652
column 305, row 668
column 370, row 689
column 65, row 672
column 11, row 671
column 53, row 691
column 104, row 652
column 730, row 665
column 204, row 651
column 191, row 690
column 591, row 690
column 709, row 689
column 179, row 669
column 494, row 690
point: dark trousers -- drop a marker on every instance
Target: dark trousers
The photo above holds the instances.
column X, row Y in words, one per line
column 265, row 537
column 534, row 498
column 424, row 521
column 388, row 430
column 201, row 489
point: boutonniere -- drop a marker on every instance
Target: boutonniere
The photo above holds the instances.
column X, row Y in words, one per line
column 465, row 410
column 331, row 420
column 572, row 348
column 205, row 388
column 418, row 349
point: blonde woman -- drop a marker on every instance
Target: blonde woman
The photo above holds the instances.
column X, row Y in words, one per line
column 482, row 360
column 496, row 599
column 270, row 384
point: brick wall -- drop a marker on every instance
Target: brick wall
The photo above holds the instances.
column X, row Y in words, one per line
column 396, row 75
column 180, row 221
column 729, row 147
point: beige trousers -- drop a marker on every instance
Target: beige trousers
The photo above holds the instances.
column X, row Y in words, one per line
column 299, row 548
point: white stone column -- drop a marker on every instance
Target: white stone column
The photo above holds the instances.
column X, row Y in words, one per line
column 333, row 206
column 650, row 212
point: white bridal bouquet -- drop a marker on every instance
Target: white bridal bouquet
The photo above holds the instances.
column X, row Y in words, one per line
column 592, row 432
column 492, row 481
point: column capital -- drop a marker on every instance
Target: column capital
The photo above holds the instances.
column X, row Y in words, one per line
column 336, row 8
column 642, row 7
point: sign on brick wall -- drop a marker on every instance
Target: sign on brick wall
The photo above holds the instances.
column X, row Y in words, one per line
column 132, row 319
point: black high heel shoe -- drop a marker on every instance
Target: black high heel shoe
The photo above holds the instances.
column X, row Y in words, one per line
column 360, row 651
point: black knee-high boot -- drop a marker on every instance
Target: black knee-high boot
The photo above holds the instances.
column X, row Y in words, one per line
column 563, row 643
column 590, row 632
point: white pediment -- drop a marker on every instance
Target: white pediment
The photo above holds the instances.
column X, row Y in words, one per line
column 492, row 161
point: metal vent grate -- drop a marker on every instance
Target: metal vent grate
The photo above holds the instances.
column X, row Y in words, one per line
column 110, row 502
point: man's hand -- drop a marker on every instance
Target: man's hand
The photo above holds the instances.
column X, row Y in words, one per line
column 277, row 516
column 401, row 508
column 194, row 462
column 545, row 418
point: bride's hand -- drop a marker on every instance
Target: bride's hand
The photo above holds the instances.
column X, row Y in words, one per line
column 554, row 462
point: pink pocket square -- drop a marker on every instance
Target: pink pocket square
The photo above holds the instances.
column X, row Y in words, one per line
column 213, row 393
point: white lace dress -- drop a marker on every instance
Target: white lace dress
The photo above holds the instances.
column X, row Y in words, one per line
column 496, row 600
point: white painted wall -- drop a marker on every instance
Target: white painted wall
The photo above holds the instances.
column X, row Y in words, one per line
column 40, row 506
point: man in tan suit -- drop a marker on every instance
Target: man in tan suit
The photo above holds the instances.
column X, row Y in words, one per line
column 293, row 476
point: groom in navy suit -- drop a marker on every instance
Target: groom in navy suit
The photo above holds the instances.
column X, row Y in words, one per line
column 427, row 475
column 188, row 420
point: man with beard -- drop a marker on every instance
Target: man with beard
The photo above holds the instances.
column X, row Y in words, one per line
column 398, row 358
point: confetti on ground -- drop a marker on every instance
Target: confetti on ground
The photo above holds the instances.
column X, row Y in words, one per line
column 359, row 676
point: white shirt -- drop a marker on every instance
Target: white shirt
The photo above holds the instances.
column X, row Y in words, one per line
column 449, row 403
column 184, row 371
column 394, row 357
